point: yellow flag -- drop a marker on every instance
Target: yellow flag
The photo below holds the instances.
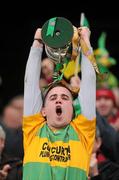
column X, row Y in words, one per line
column 70, row 69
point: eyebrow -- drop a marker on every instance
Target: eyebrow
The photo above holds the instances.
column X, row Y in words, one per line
column 55, row 95
column 64, row 95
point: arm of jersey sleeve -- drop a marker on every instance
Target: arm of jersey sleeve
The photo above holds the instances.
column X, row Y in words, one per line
column 87, row 94
column 32, row 93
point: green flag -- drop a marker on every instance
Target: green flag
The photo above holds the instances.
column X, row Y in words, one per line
column 84, row 21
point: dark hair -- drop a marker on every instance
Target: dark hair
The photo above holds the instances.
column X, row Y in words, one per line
column 53, row 85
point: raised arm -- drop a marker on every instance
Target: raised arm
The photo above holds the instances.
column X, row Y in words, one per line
column 87, row 94
column 32, row 93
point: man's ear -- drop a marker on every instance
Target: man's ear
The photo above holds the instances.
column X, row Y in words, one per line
column 43, row 112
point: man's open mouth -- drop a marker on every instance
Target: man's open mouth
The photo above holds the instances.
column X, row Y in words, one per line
column 58, row 110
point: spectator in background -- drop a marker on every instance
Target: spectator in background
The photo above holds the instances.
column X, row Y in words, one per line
column 107, row 139
column 106, row 105
column 108, row 168
column 10, row 169
column 17, row 103
column 2, row 141
column 4, row 169
column 11, row 117
column 47, row 69
column 12, row 124
column 110, row 139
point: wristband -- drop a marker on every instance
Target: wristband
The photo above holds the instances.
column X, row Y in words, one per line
column 39, row 40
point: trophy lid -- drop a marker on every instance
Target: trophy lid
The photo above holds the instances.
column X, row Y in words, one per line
column 57, row 32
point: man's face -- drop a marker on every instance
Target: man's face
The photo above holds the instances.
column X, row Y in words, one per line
column 104, row 106
column 47, row 67
column 58, row 107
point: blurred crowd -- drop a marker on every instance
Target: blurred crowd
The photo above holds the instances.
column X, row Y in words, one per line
column 11, row 140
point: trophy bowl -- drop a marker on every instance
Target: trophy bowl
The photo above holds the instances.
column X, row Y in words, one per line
column 57, row 35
